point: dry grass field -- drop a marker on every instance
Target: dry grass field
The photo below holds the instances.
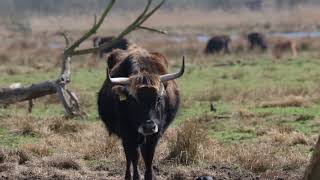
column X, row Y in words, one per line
column 245, row 115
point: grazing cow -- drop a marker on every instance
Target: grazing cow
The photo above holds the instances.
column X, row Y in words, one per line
column 121, row 44
column 137, row 102
column 218, row 43
column 284, row 45
column 257, row 40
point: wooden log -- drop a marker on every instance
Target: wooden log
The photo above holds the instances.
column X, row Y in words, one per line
column 10, row 96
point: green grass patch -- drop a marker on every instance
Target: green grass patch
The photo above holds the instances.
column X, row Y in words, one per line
column 229, row 135
column 11, row 140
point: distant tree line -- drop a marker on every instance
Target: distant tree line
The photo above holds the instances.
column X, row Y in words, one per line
column 54, row 7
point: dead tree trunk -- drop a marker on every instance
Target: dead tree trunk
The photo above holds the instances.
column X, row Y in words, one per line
column 313, row 170
column 9, row 96
column 68, row 99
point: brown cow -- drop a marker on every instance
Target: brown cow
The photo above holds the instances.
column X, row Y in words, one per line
column 284, row 45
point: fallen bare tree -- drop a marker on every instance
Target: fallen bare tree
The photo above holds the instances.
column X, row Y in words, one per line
column 313, row 170
column 68, row 98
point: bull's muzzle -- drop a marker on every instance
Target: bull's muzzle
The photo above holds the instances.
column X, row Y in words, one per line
column 148, row 128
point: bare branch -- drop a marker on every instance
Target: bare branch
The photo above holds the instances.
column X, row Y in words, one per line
column 151, row 12
column 153, row 30
column 66, row 38
column 67, row 98
column 69, row 51
column 65, row 71
column 133, row 26
column 95, row 20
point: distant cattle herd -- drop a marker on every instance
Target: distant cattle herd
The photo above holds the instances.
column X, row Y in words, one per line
column 255, row 41
column 221, row 44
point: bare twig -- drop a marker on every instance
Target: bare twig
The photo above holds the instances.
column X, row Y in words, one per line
column 153, row 30
column 70, row 50
column 133, row 26
column 94, row 20
column 66, row 38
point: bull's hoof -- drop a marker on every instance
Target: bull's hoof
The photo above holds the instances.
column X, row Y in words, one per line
column 136, row 177
column 127, row 177
column 149, row 176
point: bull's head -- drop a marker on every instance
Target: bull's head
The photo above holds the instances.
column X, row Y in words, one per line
column 144, row 96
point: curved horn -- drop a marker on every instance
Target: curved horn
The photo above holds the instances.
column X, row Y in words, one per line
column 117, row 80
column 172, row 76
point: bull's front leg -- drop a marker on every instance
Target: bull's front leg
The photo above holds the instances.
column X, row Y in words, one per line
column 132, row 157
column 135, row 160
column 128, row 175
column 147, row 151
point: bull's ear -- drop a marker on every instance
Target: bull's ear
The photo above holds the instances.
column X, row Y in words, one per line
column 121, row 92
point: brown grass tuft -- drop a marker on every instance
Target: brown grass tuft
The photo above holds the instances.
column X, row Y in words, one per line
column 6, row 167
column 298, row 138
column 97, row 149
column 64, row 126
column 90, row 143
column 23, row 156
column 188, row 147
column 63, row 162
column 262, row 157
column 257, row 159
column 178, row 176
column 291, row 101
column 39, row 149
column 244, row 114
column 3, row 156
column 289, row 138
column 25, row 126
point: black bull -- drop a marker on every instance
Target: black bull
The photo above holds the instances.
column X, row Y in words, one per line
column 257, row 40
column 137, row 102
column 218, row 43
